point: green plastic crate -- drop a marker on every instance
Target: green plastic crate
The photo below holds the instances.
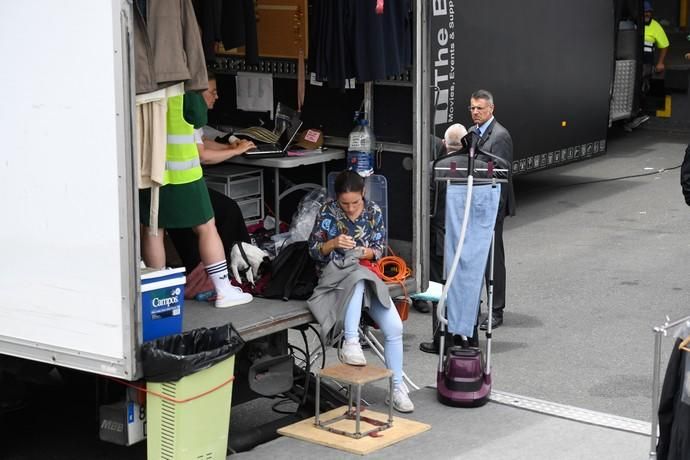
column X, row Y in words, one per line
column 197, row 429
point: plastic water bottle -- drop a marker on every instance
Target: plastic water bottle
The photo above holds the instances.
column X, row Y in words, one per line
column 360, row 150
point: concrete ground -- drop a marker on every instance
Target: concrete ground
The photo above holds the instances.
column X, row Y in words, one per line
column 494, row 431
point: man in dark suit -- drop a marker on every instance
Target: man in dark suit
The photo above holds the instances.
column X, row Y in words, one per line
column 495, row 139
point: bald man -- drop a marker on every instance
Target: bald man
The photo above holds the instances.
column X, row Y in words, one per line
column 452, row 142
column 452, row 139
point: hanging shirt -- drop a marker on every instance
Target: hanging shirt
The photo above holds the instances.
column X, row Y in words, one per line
column 482, row 129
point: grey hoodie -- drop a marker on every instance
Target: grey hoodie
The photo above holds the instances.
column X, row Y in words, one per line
column 334, row 290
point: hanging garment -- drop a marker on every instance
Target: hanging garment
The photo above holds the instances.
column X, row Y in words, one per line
column 674, row 405
column 330, row 48
column 350, row 40
column 150, row 137
column 209, row 15
column 382, row 42
column 466, row 287
column 238, row 28
column 167, row 46
column 151, row 142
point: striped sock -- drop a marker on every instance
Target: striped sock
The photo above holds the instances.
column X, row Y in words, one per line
column 219, row 276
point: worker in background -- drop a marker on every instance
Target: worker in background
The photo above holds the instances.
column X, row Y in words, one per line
column 495, row 139
column 654, row 39
column 452, row 142
column 228, row 215
column 655, row 43
column 185, row 203
column 210, row 151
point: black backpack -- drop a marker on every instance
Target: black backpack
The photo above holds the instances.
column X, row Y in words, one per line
column 293, row 274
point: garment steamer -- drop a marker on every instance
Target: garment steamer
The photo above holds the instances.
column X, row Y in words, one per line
column 463, row 379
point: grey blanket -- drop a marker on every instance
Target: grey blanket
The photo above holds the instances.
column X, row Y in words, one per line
column 334, row 290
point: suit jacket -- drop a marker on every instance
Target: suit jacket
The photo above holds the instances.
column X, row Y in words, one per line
column 496, row 140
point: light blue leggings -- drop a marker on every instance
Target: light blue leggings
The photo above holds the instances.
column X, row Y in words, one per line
column 388, row 321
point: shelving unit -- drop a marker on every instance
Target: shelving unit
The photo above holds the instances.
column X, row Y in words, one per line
column 243, row 184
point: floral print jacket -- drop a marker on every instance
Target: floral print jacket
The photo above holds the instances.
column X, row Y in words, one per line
column 368, row 230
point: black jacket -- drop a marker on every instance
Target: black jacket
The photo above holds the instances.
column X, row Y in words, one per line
column 685, row 176
column 674, row 414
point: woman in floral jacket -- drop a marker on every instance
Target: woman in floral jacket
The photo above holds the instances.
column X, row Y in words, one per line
column 352, row 227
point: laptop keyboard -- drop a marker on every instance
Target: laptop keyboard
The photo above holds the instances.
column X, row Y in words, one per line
column 266, row 148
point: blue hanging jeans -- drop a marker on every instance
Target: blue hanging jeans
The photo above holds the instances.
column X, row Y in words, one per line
column 462, row 302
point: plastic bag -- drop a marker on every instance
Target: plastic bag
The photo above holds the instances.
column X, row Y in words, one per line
column 305, row 216
column 170, row 358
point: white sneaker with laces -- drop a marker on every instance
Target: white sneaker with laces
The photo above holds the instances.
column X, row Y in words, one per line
column 233, row 297
column 401, row 399
column 351, row 353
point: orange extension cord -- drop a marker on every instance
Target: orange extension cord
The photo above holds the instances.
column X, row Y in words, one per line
column 396, row 266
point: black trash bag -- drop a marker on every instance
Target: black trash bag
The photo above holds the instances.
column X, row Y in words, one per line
column 170, row 358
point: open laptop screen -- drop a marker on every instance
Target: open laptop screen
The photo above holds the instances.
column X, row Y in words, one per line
column 275, row 149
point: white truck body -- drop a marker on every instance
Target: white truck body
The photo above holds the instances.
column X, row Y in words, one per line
column 68, row 238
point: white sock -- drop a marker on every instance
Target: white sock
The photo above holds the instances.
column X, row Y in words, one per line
column 352, row 340
column 219, row 276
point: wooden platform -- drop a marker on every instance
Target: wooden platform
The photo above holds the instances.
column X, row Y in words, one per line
column 355, row 375
column 402, row 429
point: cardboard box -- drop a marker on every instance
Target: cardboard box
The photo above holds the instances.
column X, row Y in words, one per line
column 162, row 302
column 123, row 423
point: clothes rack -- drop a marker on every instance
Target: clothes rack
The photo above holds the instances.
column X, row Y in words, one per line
column 481, row 170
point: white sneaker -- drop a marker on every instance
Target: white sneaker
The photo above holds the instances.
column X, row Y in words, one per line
column 351, row 353
column 232, row 297
column 401, row 400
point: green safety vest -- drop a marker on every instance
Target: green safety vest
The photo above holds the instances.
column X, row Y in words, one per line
column 182, row 164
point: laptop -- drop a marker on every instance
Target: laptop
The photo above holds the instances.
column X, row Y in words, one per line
column 273, row 150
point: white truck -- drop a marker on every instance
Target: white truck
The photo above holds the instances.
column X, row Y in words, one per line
column 70, row 241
